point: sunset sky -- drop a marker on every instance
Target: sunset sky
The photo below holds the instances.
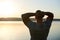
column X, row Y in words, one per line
column 16, row 30
column 14, row 8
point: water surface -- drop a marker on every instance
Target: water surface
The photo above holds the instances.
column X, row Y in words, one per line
column 16, row 30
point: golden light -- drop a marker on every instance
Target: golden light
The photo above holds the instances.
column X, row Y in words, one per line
column 12, row 30
column 7, row 9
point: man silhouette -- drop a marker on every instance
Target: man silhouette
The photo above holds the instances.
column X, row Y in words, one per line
column 38, row 30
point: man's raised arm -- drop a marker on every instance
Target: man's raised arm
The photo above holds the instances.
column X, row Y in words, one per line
column 25, row 17
column 50, row 15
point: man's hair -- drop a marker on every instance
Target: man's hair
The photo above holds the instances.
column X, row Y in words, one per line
column 38, row 11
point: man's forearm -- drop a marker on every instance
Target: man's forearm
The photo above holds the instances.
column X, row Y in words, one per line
column 25, row 17
column 49, row 14
column 29, row 14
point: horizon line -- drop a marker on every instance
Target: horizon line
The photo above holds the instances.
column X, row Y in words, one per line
column 20, row 19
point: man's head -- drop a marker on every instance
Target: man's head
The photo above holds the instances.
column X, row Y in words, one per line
column 39, row 14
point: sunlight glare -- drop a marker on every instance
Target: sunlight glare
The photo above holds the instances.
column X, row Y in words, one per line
column 7, row 9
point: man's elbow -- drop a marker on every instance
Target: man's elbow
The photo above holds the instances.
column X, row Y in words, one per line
column 23, row 15
column 51, row 14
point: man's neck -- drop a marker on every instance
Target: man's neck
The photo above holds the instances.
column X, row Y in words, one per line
column 39, row 21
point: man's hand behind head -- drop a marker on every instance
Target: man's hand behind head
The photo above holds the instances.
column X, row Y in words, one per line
column 39, row 14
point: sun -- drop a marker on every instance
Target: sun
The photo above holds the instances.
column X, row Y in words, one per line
column 7, row 9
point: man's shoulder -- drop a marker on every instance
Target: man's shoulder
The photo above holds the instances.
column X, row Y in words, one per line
column 31, row 22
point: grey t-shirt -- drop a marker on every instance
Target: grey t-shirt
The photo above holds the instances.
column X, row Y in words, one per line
column 39, row 31
column 33, row 25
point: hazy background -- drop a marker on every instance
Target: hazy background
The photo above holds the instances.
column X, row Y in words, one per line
column 14, row 8
column 16, row 30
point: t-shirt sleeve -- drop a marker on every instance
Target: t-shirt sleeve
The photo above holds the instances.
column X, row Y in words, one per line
column 31, row 24
column 48, row 22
